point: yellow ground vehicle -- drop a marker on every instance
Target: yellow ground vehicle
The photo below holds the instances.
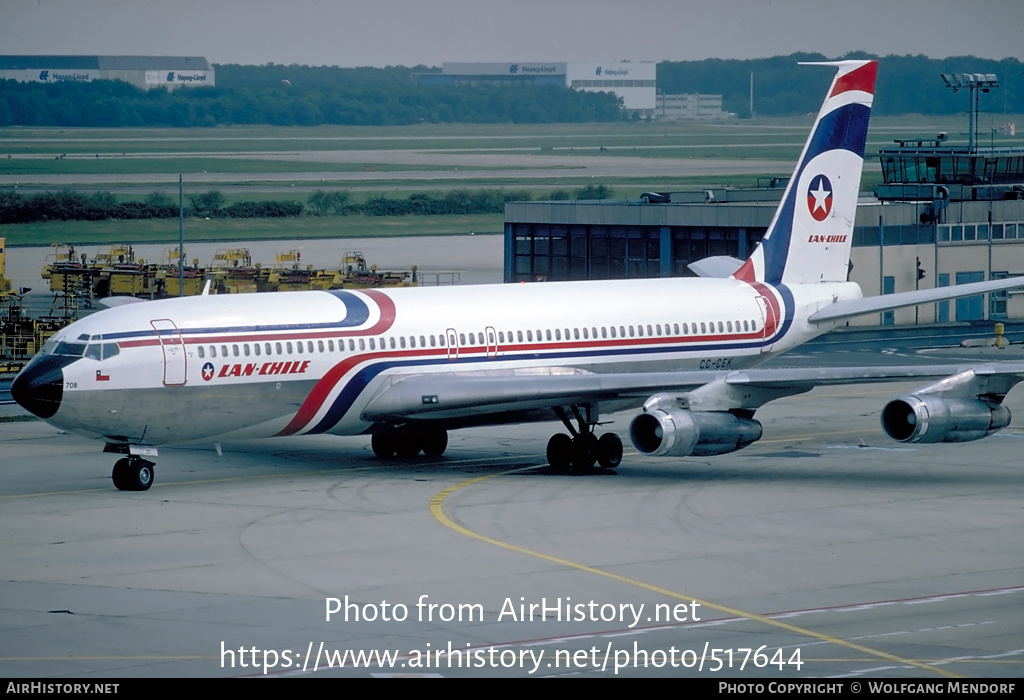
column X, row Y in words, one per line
column 354, row 274
column 69, row 273
column 167, row 279
column 117, row 272
column 232, row 271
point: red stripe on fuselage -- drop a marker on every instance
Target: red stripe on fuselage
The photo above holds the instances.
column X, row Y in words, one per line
column 770, row 324
column 323, row 388
column 387, row 312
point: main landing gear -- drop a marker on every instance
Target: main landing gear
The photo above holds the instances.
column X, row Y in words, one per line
column 583, row 449
column 133, row 473
column 409, row 443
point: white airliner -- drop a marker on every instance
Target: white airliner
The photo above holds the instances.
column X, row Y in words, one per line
column 407, row 365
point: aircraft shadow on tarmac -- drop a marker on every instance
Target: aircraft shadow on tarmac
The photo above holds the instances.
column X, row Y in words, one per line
column 839, row 465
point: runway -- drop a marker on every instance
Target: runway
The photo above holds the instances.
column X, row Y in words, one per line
column 823, row 550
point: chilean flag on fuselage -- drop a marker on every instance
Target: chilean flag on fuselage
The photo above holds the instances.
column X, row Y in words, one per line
column 810, row 235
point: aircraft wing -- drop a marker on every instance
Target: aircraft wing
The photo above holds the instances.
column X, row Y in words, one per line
column 459, row 395
column 859, row 307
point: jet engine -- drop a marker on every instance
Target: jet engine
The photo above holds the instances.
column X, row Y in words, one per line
column 929, row 418
column 679, row 432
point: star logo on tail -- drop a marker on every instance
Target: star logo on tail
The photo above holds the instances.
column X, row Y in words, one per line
column 819, row 197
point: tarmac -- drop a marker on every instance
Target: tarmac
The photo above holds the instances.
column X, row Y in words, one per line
column 823, row 550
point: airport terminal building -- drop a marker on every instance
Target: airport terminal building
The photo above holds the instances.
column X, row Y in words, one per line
column 943, row 217
column 145, row 72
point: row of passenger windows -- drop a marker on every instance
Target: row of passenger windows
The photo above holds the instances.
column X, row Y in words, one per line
column 650, row 330
column 301, row 347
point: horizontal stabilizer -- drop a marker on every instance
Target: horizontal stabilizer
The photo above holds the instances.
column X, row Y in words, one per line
column 111, row 302
column 859, row 307
column 718, row 266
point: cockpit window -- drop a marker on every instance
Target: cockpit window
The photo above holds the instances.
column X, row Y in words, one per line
column 70, row 349
column 102, row 351
column 95, row 351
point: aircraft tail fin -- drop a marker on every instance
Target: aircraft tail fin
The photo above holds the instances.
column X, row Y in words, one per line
column 810, row 235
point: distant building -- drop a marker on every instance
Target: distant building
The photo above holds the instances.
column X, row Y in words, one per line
column 496, row 74
column 145, row 72
column 635, row 83
column 690, row 106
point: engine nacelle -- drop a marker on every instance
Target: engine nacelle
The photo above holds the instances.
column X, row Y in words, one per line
column 680, row 433
column 926, row 418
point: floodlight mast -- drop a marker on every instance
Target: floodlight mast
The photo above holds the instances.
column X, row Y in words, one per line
column 976, row 83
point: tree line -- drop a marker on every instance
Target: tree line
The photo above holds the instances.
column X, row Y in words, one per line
column 105, row 103
column 905, row 85
column 68, row 205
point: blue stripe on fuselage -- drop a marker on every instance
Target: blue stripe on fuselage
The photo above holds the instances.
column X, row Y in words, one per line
column 357, row 314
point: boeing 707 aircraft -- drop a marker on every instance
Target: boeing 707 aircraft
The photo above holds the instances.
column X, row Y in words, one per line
column 407, row 365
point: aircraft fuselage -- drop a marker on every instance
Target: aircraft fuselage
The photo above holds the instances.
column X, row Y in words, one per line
column 247, row 366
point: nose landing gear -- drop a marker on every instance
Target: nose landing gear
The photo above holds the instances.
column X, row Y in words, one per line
column 133, row 474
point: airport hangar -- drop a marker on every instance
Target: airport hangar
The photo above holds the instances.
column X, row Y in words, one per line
column 635, row 83
column 942, row 215
column 144, row 72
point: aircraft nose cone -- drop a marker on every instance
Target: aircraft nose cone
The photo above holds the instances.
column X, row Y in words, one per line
column 40, row 386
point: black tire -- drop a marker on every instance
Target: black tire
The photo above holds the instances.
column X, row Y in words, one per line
column 383, row 445
column 609, row 451
column 435, row 443
column 408, row 445
column 120, row 476
column 132, row 474
column 559, row 452
column 584, row 452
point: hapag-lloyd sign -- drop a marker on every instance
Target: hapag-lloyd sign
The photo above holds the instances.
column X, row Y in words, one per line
column 156, row 77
